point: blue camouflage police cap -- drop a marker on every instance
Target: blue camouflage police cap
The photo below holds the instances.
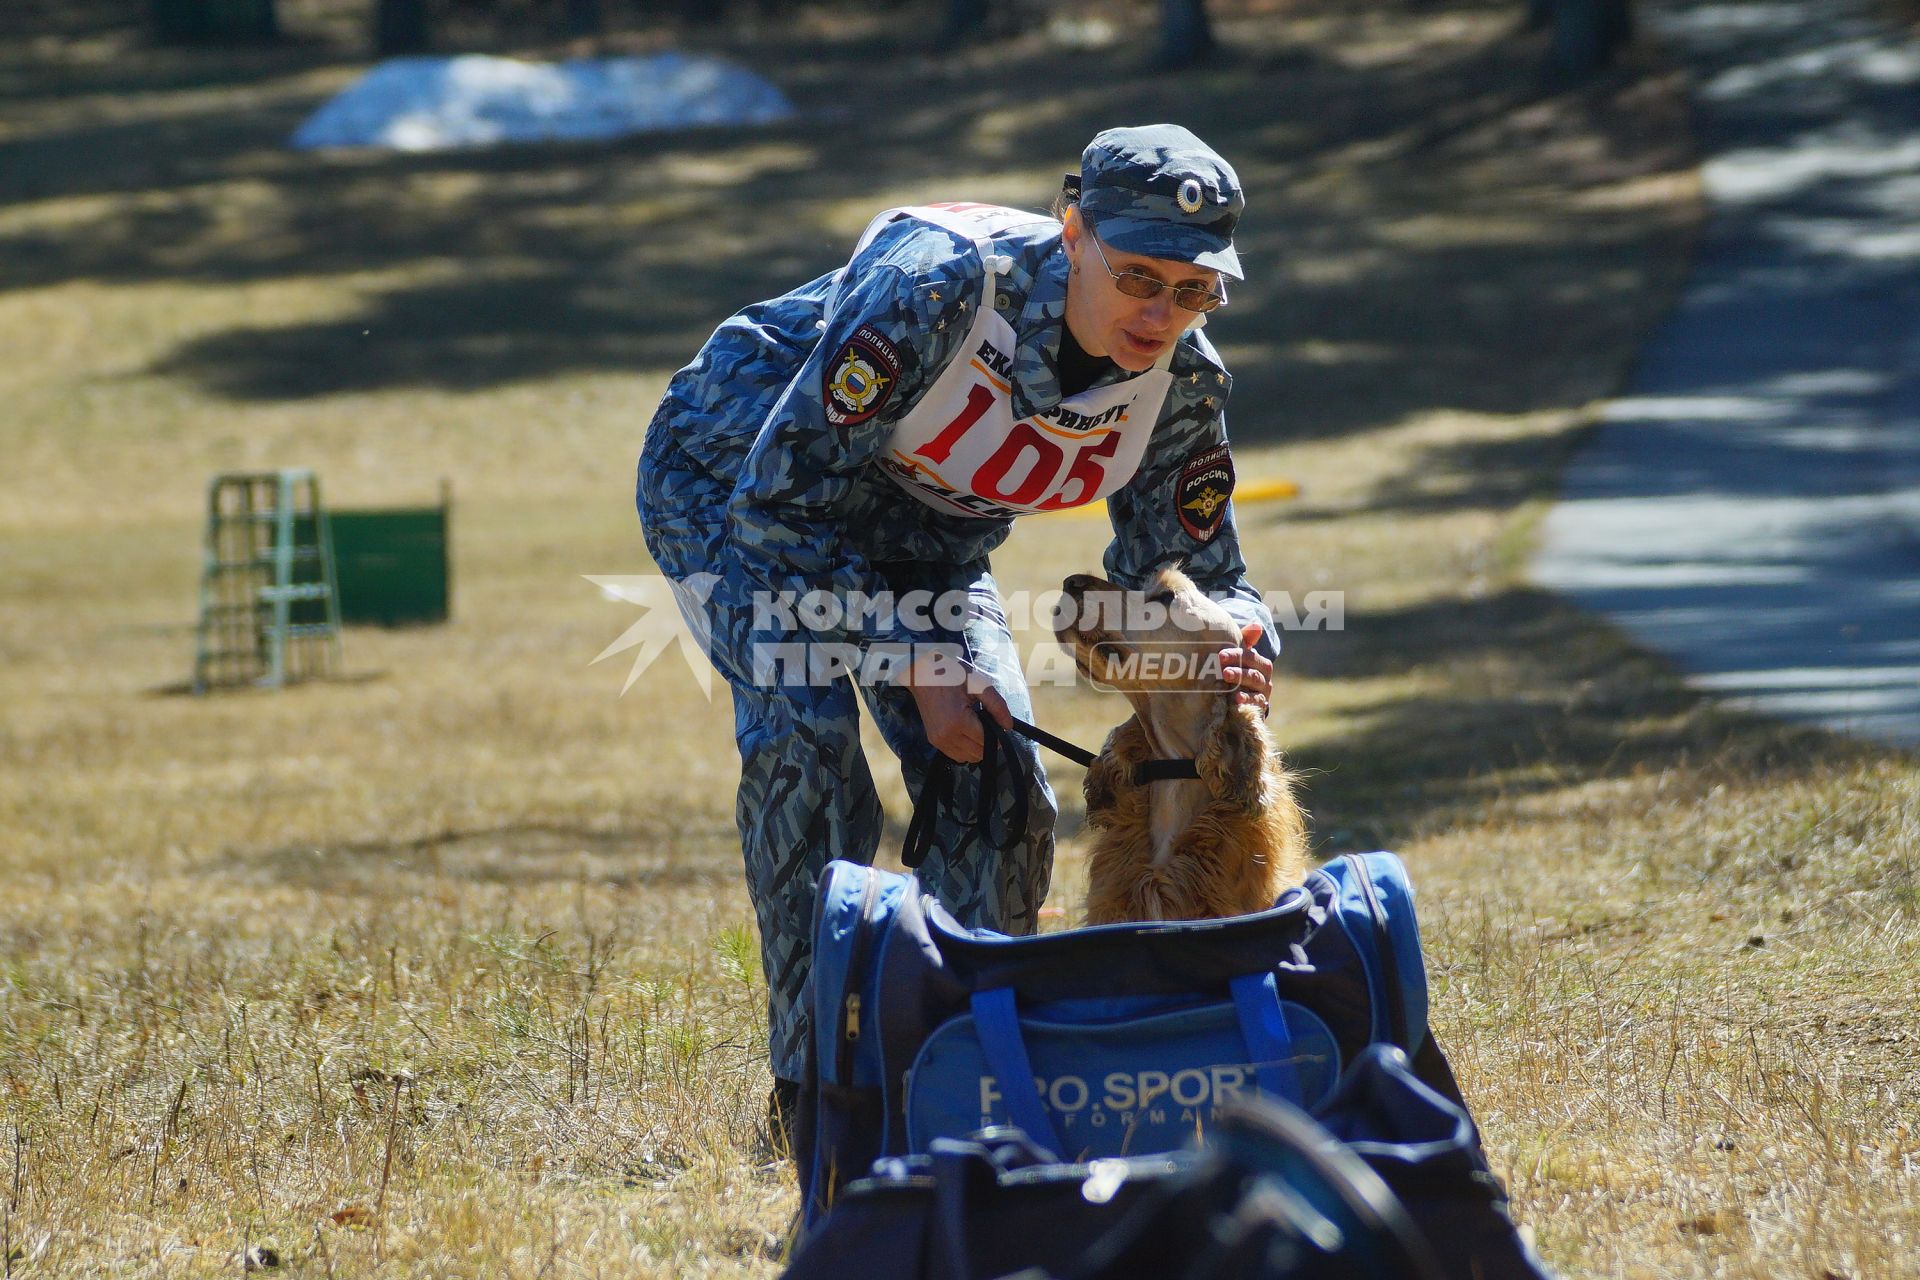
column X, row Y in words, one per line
column 1159, row 191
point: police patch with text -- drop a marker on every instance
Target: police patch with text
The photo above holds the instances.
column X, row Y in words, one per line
column 1200, row 497
column 861, row 378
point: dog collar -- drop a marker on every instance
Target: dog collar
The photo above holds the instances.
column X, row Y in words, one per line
column 1165, row 770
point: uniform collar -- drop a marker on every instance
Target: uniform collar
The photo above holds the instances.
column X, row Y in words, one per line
column 1037, row 330
column 1036, row 333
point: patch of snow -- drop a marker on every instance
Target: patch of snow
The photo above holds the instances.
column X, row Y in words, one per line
column 434, row 104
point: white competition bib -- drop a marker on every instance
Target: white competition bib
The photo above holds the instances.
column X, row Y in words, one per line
column 962, row 450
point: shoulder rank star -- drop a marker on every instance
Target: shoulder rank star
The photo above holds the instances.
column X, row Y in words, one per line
column 1206, row 502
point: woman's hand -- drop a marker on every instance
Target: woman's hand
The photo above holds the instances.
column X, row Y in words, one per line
column 1250, row 670
column 946, row 707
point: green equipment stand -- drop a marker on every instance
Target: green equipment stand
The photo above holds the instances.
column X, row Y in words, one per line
column 269, row 610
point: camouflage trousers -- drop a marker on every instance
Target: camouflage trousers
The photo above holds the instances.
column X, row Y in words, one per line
column 807, row 794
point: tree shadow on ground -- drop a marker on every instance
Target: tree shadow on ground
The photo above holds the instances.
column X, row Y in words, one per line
column 623, row 256
column 1533, row 695
column 516, row 855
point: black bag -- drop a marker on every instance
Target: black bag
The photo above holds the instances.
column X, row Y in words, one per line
column 1388, row 1184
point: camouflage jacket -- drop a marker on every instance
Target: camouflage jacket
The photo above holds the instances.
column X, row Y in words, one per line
column 810, row 508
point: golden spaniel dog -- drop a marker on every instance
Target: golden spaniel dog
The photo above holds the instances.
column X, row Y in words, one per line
column 1223, row 844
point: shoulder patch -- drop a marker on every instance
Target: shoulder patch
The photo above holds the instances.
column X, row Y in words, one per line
column 1200, row 496
column 861, row 378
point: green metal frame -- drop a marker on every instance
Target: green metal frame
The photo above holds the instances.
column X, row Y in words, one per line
column 269, row 604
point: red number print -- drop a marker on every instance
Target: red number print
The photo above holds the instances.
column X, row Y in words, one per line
column 940, row 448
column 1048, row 456
column 1088, row 471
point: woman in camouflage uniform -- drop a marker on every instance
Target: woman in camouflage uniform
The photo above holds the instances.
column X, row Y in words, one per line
column 875, row 432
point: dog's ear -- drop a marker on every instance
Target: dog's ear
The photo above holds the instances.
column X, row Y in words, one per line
column 1233, row 761
column 1110, row 776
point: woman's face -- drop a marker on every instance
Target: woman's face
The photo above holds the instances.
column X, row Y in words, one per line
column 1131, row 332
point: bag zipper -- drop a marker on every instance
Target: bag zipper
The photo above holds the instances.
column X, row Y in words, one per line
column 856, row 963
column 1390, row 963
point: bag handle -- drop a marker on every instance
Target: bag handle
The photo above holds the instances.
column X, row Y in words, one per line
column 1263, row 1026
column 997, row 1022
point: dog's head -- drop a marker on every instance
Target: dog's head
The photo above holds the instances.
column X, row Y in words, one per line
column 1165, row 639
column 1160, row 647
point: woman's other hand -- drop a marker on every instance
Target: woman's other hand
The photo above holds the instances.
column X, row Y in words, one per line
column 1249, row 670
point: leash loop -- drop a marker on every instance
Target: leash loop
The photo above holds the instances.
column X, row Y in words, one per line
column 997, row 758
column 937, row 791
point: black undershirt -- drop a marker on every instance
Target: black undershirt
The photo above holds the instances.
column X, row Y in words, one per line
column 1078, row 370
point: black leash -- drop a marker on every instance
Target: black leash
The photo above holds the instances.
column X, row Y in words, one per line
column 1079, row 755
column 936, row 792
column 1146, row 771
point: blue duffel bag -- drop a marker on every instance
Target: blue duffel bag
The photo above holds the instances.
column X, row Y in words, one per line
column 1109, row 1041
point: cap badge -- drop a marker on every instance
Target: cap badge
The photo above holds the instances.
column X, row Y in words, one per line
column 1189, row 196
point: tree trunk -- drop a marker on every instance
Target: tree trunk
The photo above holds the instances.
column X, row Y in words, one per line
column 214, row 21
column 1586, row 33
column 400, row 27
column 1185, row 35
column 1617, row 17
column 965, row 20
column 584, row 18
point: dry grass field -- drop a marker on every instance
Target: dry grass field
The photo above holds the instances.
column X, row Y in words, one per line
column 445, row 969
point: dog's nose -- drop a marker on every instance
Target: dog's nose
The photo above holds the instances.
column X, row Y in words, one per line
column 1078, row 583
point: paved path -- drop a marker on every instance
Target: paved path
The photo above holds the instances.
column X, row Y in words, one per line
column 1751, row 507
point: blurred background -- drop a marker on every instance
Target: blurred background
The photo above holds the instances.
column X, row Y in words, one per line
column 441, row 964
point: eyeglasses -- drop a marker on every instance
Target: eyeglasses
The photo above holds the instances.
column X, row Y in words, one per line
column 1138, row 284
